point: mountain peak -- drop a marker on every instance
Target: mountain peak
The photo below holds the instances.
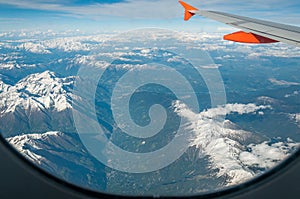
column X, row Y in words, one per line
column 38, row 91
column 43, row 77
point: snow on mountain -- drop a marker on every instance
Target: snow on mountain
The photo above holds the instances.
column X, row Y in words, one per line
column 90, row 60
column 35, row 48
column 20, row 142
column 295, row 117
column 65, row 44
column 13, row 60
column 3, row 87
column 267, row 100
column 63, row 155
column 37, row 91
column 225, row 145
column 40, row 102
column 294, row 93
column 283, row 82
column 29, row 143
column 47, row 42
column 14, row 65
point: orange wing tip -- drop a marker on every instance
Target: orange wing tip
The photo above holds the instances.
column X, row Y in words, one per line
column 187, row 15
column 251, row 38
column 187, row 10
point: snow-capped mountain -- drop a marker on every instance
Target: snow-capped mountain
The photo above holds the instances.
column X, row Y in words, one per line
column 236, row 154
column 35, row 104
column 36, row 92
column 233, row 154
column 63, row 155
column 3, row 87
column 34, row 100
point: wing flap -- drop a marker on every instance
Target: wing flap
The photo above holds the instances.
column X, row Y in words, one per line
column 244, row 37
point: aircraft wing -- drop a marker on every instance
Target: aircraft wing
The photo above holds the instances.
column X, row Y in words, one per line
column 253, row 30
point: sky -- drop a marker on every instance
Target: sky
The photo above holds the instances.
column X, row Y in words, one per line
column 124, row 15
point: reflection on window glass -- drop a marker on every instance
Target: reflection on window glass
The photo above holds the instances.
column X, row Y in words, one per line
column 145, row 112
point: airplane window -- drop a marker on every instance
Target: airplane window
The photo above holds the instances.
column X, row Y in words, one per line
column 94, row 97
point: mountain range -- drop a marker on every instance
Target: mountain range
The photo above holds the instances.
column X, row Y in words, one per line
column 39, row 103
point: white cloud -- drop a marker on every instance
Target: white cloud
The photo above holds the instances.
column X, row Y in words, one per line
column 233, row 108
column 265, row 155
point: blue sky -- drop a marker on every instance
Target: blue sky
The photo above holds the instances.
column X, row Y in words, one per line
column 105, row 15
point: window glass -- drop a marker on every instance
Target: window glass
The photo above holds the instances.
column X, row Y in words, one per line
column 166, row 111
